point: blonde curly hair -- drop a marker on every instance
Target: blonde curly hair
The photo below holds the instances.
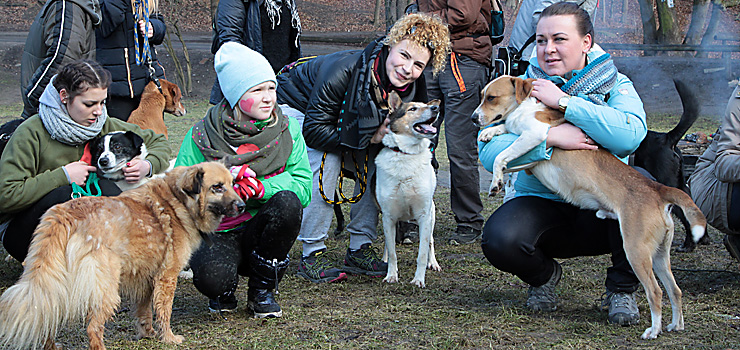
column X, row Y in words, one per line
column 426, row 31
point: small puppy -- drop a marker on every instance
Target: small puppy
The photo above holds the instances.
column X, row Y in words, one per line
column 89, row 251
column 595, row 180
column 405, row 181
column 112, row 151
column 154, row 102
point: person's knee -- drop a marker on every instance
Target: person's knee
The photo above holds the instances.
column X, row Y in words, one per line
column 286, row 206
column 498, row 242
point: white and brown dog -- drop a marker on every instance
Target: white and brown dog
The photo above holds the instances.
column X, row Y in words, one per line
column 595, row 180
column 405, row 181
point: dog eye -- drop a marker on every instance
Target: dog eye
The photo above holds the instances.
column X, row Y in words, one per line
column 490, row 98
column 413, row 109
column 218, row 188
column 116, row 147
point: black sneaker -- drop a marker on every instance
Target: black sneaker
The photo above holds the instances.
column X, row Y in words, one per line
column 543, row 298
column 732, row 243
column 465, row 235
column 407, row 232
column 224, row 304
column 364, row 261
column 316, row 267
column 622, row 308
column 262, row 302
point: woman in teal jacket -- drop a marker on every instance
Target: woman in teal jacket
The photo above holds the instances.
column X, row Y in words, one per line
column 602, row 108
column 267, row 156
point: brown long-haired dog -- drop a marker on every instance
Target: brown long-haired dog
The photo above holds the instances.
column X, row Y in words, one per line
column 149, row 114
column 87, row 252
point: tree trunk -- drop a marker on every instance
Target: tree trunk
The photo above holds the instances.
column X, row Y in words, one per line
column 214, row 7
column 390, row 13
column 698, row 19
column 712, row 28
column 668, row 31
column 649, row 33
column 376, row 14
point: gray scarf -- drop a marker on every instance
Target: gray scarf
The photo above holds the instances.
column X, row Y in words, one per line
column 59, row 124
column 273, row 11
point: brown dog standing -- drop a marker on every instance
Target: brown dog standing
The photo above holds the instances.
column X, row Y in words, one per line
column 88, row 251
column 150, row 113
column 595, row 180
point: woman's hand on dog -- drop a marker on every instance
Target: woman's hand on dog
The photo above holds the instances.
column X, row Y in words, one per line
column 77, row 172
column 136, row 170
column 568, row 136
column 547, row 92
column 380, row 133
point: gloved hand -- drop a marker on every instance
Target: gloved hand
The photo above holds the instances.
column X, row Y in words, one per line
column 246, row 185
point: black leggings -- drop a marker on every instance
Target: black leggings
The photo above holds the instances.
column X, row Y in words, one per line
column 18, row 235
column 524, row 235
column 270, row 234
column 733, row 214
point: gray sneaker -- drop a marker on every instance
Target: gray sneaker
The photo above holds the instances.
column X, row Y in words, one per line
column 622, row 308
column 543, row 298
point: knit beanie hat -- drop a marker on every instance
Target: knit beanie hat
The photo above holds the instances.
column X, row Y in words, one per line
column 239, row 69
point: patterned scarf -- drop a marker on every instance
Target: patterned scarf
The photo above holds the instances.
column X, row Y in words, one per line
column 59, row 124
column 273, row 11
column 220, row 136
column 595, row 80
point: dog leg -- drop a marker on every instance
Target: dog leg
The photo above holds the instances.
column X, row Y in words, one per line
column 164, row 293
column 433, row 264
column 639, row 253
column 526, row 142
column 389, row 229
column 105, row 298
column 426, row 227
column 488, row 133
column 144, row 327
column 662, row 267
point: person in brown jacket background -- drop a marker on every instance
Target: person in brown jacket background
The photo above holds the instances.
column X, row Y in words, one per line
column 458, row 86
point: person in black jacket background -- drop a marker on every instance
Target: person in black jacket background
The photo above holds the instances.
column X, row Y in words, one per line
column 116, row 39
column 270, row 27
column 342, row 100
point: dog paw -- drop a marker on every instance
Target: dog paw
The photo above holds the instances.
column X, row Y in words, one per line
column 418, row 282
column 434, row 266
column 391, row 278
column 650, row 333
column 147, row 332
column 173, row 339
column 485, row 136
column 674, row 327
column 495, row 188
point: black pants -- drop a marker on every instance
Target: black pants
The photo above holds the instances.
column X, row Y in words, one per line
column 121, row 107
column 733, row 214
column 270, row 234
column 18, row 235
column 525, row 234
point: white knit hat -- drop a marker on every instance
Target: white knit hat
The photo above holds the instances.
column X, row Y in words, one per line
column 239, row 69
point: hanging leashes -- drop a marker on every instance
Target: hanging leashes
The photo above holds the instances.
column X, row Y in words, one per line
column 92, row 181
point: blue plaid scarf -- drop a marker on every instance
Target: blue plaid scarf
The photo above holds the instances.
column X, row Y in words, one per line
column 595, row 80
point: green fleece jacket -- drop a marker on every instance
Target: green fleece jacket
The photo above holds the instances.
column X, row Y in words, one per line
column 296, row 177
column 31, row 164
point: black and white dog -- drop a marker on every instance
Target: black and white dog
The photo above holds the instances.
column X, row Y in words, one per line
column 112, row 151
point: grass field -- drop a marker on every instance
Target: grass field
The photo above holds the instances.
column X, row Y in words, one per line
column 468, row 305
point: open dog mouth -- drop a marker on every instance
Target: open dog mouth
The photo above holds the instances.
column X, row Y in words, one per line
column 426, row 127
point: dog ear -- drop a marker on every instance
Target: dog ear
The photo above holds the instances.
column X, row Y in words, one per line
column 394, row 101
column 136, row 140
column 191, row 181
column 522, row 88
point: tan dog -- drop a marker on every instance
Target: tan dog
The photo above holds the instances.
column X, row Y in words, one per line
column 149, row 114
column 595, row 180
column 405, row 181
column 88, row 251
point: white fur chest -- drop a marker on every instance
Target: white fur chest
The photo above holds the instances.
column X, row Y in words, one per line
column 522, row 120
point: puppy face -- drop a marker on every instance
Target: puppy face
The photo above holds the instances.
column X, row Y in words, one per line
column 413, row 118
column 207, row 189
column 499, row 98
column 172, row 98
column 112, row 151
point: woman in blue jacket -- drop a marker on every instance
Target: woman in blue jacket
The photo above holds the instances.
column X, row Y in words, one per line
column 526, row 233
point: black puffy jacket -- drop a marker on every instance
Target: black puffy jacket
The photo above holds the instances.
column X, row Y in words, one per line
column 115, row 48
column 340, row 106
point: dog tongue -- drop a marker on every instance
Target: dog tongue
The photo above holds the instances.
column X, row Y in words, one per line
column 428, row 128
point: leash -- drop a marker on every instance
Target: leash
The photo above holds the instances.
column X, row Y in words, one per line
column 143, row 54
column 92, row 180
column 361, row 178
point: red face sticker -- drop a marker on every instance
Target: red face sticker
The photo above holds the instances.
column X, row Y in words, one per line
column 246, row 105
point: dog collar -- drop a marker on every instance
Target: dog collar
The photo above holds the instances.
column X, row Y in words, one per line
column 396, row 149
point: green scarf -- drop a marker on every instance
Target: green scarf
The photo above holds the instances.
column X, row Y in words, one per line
column 264, row 148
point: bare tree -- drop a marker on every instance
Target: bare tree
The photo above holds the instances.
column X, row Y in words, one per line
column 698, row 20
column 668, row 32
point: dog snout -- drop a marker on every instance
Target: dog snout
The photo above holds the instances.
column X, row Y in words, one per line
column 103, row 161
column 237, row 207
column 475, row 118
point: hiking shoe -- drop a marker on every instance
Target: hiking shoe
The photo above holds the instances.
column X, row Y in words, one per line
column 262, row 302
column 464, row 235
column 364, row 261
column 407, row 232
column 622, row 308
column 316, row 267
column 543, row 298
column 224, row 304
column 732, row 243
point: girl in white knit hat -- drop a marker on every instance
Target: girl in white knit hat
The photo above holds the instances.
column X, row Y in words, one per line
column 267, row 155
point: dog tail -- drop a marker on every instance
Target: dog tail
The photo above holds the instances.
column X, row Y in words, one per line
column 32, row 310
column 690, row 112
column 695, row 217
